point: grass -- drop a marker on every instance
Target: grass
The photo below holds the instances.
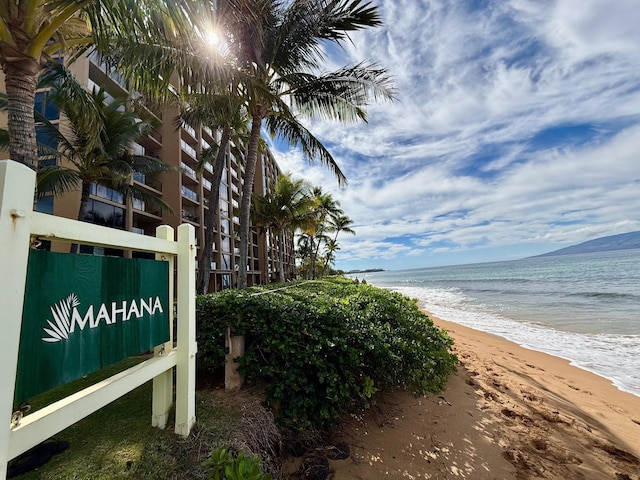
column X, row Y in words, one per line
column 118, row 441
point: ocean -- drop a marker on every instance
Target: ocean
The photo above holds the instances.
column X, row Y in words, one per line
column 584, row 308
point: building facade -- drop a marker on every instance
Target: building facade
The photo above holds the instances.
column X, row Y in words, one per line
column 185, row 190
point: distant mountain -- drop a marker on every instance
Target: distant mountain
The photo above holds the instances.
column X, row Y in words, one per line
column 624, row 241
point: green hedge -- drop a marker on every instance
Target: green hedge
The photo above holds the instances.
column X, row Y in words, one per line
column 322, row 348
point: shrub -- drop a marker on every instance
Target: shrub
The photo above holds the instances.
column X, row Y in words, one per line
column 323, row 348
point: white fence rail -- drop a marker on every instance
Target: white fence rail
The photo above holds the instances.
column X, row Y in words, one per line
column 18, row 225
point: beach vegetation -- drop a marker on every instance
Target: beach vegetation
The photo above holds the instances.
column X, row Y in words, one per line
column 324, row 348
column 224, row 466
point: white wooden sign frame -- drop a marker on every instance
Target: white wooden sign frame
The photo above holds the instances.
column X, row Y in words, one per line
column 18, row 225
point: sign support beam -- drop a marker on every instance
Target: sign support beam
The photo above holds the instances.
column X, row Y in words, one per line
column 17, row 184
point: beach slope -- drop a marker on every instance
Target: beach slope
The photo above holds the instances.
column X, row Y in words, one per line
column 509, row 413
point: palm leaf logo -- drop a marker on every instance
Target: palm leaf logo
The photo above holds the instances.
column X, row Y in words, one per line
column 61, row 324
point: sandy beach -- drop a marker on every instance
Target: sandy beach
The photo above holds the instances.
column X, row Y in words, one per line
column 508, row 413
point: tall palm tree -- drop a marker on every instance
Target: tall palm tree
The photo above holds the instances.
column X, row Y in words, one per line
column 337, row 223
column 303, row 252
column 278, row 49
column 217, row 110
column 325, row 206
column 32, row 32
column 282, row 210
column 340, row 223
column 329, row 248
column 97, row 148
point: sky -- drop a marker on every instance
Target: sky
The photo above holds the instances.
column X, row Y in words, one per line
column 515, row 132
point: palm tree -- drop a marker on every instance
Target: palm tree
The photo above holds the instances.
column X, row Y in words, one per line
column 303, row 252
column 222, row 111
column 329, row 248
column 338, row 222
column 325, row 206
column 282, row 210
column 97, row 147
column 32, row 32
column 278, row 47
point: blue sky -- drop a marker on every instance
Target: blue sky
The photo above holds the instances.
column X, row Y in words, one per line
column 516, row 131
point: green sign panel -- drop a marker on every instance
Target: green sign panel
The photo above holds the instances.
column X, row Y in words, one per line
column 82, row 313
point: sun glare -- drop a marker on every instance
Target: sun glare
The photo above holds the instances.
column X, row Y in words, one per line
column 216, row 41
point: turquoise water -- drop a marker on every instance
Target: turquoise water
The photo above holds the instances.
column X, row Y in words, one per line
column 584, row 308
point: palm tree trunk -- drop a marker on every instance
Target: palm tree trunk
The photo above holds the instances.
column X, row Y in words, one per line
column 314, row 260
column 326, row 261
column 281, row 255
column 247, row 190
column 21, row 81
column 84, row 200
column 211, row 219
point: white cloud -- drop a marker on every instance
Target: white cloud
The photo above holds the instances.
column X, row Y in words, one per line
column 461, row 157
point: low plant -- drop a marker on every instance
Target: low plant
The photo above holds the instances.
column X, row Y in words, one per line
column 324, row 348
column 224, row 466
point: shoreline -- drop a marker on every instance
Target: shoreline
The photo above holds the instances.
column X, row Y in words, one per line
column 582, row 390
column 508, row 413
column 582, row 350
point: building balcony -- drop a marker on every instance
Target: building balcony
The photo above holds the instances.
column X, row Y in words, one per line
column 188, row 149
column 186, row 215
column 142, row 179
column 189, row 171
column 190, row 194
column 143, row 207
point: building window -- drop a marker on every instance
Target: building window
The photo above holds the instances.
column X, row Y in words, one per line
column 44, row 137
column 226, row 244
column 45, row 107
column 224, row 192
column 104, row 214
column 101, row 251
column 106, row 193
column 224, row 227
column 45, row 205
column 224, row 207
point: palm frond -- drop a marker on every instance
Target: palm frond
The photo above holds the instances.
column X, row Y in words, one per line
column 4, row 138
column 214, row 110
column 291, row 130
column 150, row 165
column 53, row 136
column 307, row 24
column 55, row 180
column 338, row 95
column 67, row 92
column 133, row 191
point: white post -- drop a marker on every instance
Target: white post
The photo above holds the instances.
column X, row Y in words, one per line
column 163, row 383
column 17, row 186
column 187, row 348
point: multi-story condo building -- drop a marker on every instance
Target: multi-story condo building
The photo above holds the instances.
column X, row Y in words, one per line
column 185, row 190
